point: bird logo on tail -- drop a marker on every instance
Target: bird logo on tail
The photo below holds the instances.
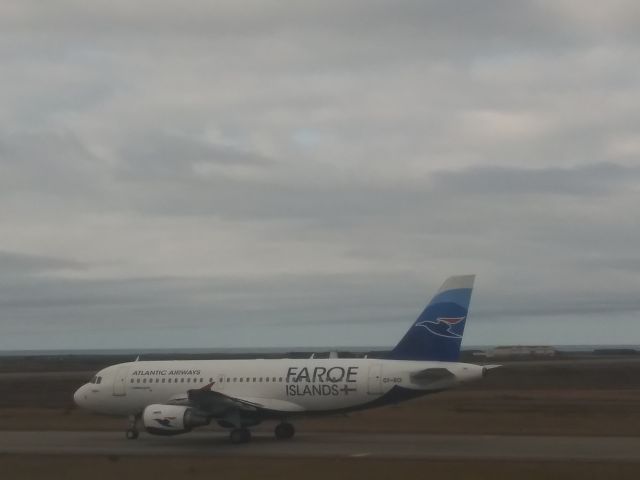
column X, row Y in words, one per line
column 443, row 326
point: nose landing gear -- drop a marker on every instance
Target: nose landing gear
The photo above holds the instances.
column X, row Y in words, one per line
column 132, row 432
column 284, row 431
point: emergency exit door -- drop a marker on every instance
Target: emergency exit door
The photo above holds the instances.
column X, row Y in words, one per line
column 120, row 381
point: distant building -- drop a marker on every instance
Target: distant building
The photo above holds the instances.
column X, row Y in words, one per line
column 521, row 351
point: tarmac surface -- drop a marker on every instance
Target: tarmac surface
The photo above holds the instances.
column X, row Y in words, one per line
column 408, row 446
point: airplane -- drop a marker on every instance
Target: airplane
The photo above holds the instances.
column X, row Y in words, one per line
column 174, row 397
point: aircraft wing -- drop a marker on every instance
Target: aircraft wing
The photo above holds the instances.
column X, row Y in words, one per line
column 218, row 403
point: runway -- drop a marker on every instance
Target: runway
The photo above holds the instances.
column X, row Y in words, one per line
column 211, row 444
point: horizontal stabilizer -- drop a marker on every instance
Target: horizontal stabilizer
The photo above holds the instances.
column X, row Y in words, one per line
column 487, row 368
column 491, row 367
column 431, row 375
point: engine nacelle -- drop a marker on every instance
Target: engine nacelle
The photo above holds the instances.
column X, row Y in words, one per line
column 171, row 419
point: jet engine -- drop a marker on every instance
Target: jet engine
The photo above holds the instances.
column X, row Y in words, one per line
column 171, row 419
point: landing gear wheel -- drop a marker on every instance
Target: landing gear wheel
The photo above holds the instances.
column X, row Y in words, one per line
column 240, row 435
column 284, row 431
column 132, row 432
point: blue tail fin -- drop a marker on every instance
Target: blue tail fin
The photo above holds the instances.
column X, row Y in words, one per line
column 437, row 333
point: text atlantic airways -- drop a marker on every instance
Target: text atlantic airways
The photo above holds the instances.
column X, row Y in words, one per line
column 173, row 397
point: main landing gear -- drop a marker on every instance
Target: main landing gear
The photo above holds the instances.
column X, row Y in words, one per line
column 132, row 432
column 284, row 431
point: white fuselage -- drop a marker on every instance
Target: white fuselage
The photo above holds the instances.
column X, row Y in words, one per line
column 287, row 386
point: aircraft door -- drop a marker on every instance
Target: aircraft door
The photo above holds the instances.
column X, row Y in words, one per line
column 120, row 381
column 375, row 379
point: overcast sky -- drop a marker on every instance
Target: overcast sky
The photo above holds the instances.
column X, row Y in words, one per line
column 275, row 173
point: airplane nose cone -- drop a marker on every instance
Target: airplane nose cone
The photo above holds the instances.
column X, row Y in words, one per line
column 79, row 397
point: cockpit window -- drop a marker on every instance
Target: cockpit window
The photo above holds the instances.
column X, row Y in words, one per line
column 93, row 380
column 99, row 380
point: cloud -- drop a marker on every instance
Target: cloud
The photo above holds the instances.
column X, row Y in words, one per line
column 583, row 180
column 354, row 310
column 177, row 158
column 178, row 172
column 47, row 163
column 12, row 263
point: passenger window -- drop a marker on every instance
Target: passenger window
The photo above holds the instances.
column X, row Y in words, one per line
column 266, row 379
column 132, row 380
column 274, row 379
column 163, row 380
column 168, row 380
column 228, row 379
column 280, row 379
column 254, row 379
column 188, row 380
column 182, row 380
column 210, row 380
column 241, row 378
column 260, row 379
column 144, row 380
column 235, row 378
column 137, row 380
